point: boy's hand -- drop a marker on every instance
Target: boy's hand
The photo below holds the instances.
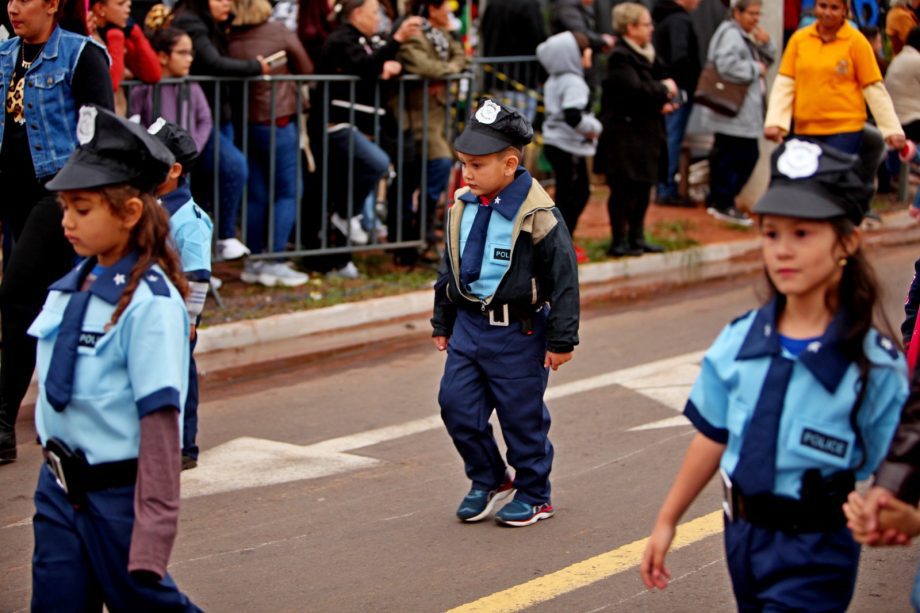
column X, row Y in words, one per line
column 555, row 360
column 193, row 332
column 652, row 569
column 880, row 518
column 440, row 342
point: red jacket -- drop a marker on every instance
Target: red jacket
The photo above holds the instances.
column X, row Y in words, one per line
column 134, row 52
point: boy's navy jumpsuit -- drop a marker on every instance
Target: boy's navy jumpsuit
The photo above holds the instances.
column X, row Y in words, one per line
column 500, row 327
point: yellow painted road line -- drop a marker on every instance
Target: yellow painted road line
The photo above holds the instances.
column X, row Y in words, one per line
column 592, row 570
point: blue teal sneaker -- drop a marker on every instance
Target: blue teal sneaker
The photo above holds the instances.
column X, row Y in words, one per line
column 478, row 503
column 518, row 513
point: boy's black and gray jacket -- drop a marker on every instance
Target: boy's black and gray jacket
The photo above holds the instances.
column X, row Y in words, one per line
column 542, row 270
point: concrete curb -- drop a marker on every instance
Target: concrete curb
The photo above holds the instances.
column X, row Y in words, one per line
column 237, row 336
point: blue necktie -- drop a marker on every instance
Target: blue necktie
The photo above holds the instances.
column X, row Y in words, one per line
column 471, row 259
column 756, row 469
column 59, row 382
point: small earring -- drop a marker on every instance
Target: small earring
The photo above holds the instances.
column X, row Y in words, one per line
column 842, row 262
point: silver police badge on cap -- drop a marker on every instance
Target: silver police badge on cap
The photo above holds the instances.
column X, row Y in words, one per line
column 799, row 159
column 156, row 126
column 488, row 112
column 86, row 125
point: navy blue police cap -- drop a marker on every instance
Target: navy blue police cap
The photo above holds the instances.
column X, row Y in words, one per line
column 811, row 180
column 493, row 128
column 112, row 151
column 177, row 140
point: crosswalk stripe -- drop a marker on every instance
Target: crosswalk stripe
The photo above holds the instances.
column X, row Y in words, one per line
column 586, row 572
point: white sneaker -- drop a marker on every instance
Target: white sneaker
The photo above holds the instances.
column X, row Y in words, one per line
column 271, row 274
column 231, row 249
column 216, row 283
column 349, row 271
column 352, row 228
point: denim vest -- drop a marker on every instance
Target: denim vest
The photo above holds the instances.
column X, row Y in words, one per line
column 50, row 111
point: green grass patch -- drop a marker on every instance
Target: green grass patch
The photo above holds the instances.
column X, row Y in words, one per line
column 672, row 235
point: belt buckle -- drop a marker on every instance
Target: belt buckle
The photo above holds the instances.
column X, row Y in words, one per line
column 57, row 469
column 728, row 501
column 504, row 321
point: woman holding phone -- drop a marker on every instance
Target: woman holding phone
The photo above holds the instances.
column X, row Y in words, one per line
column 251, row 36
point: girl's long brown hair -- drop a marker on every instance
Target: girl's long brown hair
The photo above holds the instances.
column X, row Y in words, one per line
column 151, row 240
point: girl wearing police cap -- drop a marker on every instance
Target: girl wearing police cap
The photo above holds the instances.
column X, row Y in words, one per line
column 795, row 400
column 113, row 372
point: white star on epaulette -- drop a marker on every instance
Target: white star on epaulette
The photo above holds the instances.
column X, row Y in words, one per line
column 152, row 278
column 886, row 344
column 119, row 279
column 498, row 200
column 767, row 330
column 814, row 346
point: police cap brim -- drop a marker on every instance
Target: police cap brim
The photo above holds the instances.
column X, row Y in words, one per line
column 482, row 140
column 806, row 201
column 86, row 170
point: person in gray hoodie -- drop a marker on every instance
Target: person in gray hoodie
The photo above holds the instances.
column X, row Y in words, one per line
column 570, row 130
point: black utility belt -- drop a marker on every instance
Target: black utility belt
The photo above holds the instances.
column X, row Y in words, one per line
column 77, row 477
column 814, row 513
column 503, row 314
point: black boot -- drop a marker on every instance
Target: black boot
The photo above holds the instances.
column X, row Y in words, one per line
column 7, row 444
column 645, row 247
column 621, row 248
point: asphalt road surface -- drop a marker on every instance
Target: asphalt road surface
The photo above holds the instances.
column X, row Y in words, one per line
column 332, row 486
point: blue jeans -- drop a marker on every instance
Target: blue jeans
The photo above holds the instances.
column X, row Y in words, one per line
column 848, row 142
column 438, row 177
column 232, row 173
column 370, row 162
column 676, row 124
column 287, row 194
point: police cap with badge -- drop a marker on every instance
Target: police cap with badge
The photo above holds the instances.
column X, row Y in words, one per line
column 494, row 127
column 112, row 151
column 177, row 140
column 811, row 180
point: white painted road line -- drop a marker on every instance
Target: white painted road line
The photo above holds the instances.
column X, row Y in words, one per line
column 252, row 462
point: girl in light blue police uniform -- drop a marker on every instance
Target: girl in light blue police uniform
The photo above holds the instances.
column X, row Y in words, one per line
column 796, row 400
column 112, row 366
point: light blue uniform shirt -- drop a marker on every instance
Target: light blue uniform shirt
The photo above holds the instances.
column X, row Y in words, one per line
column 191, row 229
column 497, row 256
column 814, row 429
column 123, row 372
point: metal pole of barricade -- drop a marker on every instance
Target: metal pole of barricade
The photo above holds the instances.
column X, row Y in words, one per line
column 298, row 173
column 351, row 163
column 423, row 160
column 400, row 154
column 215, row 167
column 244, row 203
column 324, row 219
column 904, row 182
column 272, row 166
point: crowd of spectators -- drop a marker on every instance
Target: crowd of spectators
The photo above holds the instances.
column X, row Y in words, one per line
column 384, row 143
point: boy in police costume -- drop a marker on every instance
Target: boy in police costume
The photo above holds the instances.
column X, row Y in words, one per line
column 506, row 310
column 191, row 231
column 112, row 369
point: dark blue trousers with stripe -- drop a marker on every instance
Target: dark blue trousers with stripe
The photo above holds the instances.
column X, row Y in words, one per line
column 81, row 557
column 776, row 571
column 499, row 368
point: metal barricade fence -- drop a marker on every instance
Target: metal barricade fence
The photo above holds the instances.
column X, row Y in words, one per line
column 507, row 78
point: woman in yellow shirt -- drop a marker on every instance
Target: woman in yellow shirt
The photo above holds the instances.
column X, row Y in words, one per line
column 827, row 76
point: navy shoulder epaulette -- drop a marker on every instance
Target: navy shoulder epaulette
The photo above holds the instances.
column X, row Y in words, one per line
column 156, row 282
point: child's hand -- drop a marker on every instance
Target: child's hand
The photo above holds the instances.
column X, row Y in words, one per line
column 555, row 360
column 440, row 342
column 193, row 332
column 652, row 569
column 880, row 519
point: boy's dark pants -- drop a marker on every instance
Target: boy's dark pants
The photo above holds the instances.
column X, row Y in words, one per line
column 493, row 367
column 190, row 414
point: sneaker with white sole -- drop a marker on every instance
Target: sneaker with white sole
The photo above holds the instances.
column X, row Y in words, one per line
column 231, row 249
column 349, row 271
column 477, row 505
column 730, row 215
column 518, row 513
column 271, row 274
column 352, row 228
